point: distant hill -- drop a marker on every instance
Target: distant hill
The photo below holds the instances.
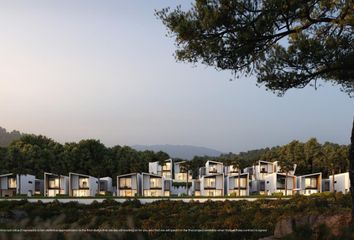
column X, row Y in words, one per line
column 7, row 137
column 180, row 151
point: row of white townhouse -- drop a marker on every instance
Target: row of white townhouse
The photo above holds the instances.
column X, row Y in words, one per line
column 214, row 179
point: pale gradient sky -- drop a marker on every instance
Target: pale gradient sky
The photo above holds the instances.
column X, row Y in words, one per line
column 104, row 69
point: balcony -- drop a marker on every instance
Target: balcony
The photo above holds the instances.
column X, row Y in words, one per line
column 213, row 170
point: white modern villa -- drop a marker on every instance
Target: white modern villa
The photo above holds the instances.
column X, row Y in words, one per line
column 154, row 185
column 309, row 184
column 280, row 183
column 81, row 185
column 212, row 185
column 55, row 184
column 341, row 182
column 17, row 184
column 129, row 185
column 179, row 174
column 214, row 180
column 236, row 184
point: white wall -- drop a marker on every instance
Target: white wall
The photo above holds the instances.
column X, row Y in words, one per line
column 3, row 182
column 27, row 184
column 154, row 167
column 74, row 181
column 341, row 182
column 270, row 183
column 93, row 185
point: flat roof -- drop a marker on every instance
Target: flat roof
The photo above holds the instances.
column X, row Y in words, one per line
column 80, row 174
column 127, row 174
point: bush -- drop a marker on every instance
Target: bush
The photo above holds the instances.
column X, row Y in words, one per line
column 277, row 194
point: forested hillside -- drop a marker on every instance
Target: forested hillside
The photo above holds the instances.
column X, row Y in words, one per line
column 36, row 154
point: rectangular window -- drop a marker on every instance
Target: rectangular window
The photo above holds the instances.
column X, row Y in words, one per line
column 242, row 182
column 81, row 193
column 213, row 168
column 155, row 182
column 167, row 174
column 125, row 182
column 53, row 183
column 166, row 167
column 127, row 193
column 310, row 183
column 12, row 182
column 83, row 183
column 210, row 183
column 152, row 193
column 213, row 193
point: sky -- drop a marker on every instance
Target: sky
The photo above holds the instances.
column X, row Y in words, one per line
column 82, row 69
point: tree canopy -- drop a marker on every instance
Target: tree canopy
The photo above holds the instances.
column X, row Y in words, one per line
column 38, row 154
column 287, row 44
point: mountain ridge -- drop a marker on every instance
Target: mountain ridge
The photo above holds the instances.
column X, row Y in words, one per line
column 179, row 151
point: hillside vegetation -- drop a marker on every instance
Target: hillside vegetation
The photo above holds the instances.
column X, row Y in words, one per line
column 261, row 214
column 37, row 154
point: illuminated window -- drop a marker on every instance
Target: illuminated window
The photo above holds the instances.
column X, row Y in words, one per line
column 152, row 193
column 125, row 182
column 127, row 193
column 155, row 182
column 12, row 182
column 210, row 182
column 166, row 166
column 242, row 182
column 310, row 183
column 53, row 183
column 81, row 193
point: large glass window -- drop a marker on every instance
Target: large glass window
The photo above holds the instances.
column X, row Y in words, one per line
column 81, row 193
column 310, row 183
column 12, row 182
column 53, row 192
column 166, row 166
column 53, row 183
column 213, row 193
column 281, row 182
column 155, row 182
column 242, row 184
column 167, row 174
column 83, row 183
column 125, row 182
column 209, row 182
column 213, row 168
column 152, row 193
column 127, row 193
